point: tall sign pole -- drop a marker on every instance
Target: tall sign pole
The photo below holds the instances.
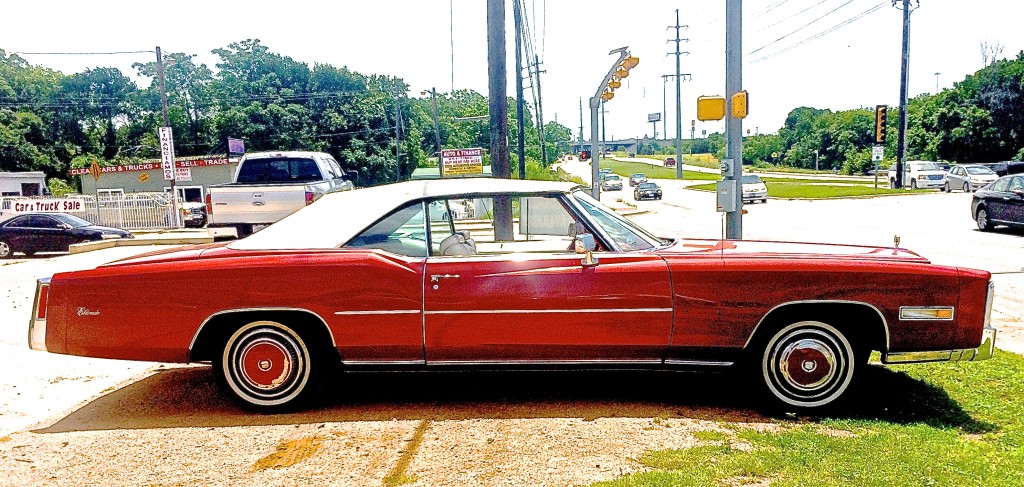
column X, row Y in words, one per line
column 733, row 125
column 167, row 141
column 520, row 123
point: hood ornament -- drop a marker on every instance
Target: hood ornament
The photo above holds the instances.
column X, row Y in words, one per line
column 896, row 241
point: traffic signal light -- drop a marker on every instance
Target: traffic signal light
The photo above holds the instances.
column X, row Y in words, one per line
column 710, row 108
column 621, row 71
column 880, row 117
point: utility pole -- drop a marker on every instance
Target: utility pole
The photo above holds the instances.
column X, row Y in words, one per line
column 679, row 100
column 167, row 124
column 398, row 137
column 540, row 113
column 437, row 130
column 517, row 7
column 498, row 111
column 901, row 142
column 581, row 124
column 733, row 125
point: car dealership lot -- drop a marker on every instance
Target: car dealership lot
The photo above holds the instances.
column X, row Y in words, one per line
column 97, row 421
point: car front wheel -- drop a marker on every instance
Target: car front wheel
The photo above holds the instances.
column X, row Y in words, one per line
column 807, row 365
column 266, row 366
column 5, row 250
column 946, row 188
column 913, row 184
column 967, row 187
column 981, row 217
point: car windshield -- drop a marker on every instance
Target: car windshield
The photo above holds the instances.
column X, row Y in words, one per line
column 279, row 170
column 647, row 186
column 74, row 221
column 927, row 166
column 637, row 175
column 751, row 179
column 626, row 234
column 978, row 170
column 612, row 177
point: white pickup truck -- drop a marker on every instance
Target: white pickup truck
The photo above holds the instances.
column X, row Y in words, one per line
column 919, row 175
column 269, row 186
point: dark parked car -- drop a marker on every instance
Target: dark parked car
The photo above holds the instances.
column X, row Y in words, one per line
column 1000, row 203
column 647, row 190
column 50, row 232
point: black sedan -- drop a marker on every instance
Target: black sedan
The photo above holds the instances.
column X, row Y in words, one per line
column 1000, row 203
column 647, row 190
column 50, row 232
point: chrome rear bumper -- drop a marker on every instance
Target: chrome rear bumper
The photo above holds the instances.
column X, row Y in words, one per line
column 984, row 352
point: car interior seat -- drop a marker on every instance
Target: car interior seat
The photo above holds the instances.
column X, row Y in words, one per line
column 457, row 243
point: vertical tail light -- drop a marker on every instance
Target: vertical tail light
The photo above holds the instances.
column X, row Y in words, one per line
column 309, row 198
column 37, row 325
column 209, row 204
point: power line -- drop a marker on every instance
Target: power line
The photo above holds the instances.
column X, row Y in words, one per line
column 790, row 17
column 772, row 7
column 824, row 32
column 802, row 27
column 82, row 53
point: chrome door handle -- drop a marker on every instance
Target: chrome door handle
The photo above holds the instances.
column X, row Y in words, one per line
column 438, row 277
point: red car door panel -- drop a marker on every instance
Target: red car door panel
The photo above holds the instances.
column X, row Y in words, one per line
column 546, row 308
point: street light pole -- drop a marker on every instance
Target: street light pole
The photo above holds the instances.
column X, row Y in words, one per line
column 595, row 104
column 937, row 82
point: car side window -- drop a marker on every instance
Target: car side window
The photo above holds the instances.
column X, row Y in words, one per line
column 401, row 232
column 1016, row 184
column 466, row 227
column 45, row 222
column 1000, row 185
column 20, row 222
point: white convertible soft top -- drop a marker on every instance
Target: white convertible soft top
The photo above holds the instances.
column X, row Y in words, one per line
column 337, row 217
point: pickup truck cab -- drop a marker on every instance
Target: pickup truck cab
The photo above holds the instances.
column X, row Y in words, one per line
column 269, row 186
column 919, row 174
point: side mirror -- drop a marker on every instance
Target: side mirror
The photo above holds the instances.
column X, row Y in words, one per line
column 585, row 243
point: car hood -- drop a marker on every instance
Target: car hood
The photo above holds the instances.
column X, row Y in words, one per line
column 763, row 249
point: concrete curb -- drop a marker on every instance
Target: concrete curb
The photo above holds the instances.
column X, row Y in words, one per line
column 158, row 239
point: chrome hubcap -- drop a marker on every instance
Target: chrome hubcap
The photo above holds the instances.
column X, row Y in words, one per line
column 807, row 364
column 5, row 249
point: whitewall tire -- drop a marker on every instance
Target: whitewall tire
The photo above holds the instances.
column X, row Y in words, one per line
column 266, row 366
column 808, row 365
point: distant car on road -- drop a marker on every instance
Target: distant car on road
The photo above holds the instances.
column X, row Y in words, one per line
column 968, row 177
column 754, row 189
column 670, row 162
column 50, row 232
column 647, row 190
column 1000, row 203
column 637, row 178
column 604, row 171
column 611, row 182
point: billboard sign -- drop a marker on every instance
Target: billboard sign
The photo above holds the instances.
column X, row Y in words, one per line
column 654, row 117
column 462, row 162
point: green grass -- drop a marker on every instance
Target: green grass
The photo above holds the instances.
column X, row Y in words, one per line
column 930, row 424
column 803, row 189
column 625, row 169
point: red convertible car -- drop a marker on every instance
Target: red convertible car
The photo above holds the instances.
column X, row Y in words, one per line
column 525, row 274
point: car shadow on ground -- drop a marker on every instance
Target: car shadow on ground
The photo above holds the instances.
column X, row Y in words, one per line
column 188, row 397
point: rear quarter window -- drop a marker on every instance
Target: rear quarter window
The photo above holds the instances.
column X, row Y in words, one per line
column 279, row 170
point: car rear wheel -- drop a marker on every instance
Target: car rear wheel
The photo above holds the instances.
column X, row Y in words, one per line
column 981, row 217
column 808, row 365
column 5, row 250
column 266, row 366
column 913, row 184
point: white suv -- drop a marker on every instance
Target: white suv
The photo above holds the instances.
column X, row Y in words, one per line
column 919, row 175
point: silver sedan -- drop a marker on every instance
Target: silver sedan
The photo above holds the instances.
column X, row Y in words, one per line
column 968, row 177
